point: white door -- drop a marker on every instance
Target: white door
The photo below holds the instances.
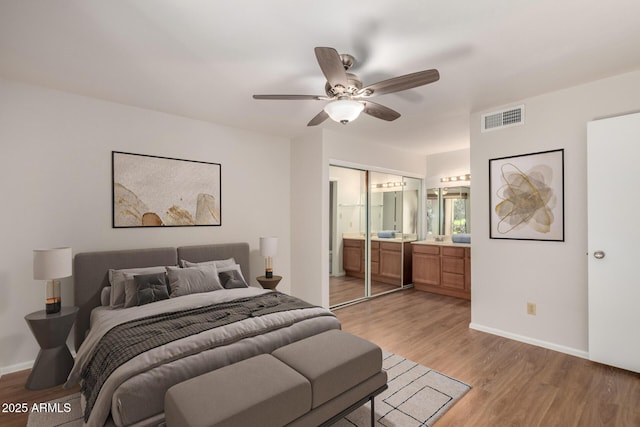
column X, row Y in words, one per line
column 613, row 161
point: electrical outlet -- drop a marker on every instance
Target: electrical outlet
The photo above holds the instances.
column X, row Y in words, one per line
column 531, row 308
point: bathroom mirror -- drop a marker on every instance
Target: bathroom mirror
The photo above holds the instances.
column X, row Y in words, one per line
column 448, row 210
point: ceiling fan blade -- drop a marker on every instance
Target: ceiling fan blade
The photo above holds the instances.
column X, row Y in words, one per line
column 319, row 118
column 331, row 66
column 396, row 84
column 380, row 111
column 290, row 97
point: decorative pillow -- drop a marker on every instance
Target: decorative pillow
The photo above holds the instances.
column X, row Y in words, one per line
column 193, row 280
column 105, row 296
column 150, row 288
column 231, row 277
column 117, row 279
column 219, row 263
column 131, row 287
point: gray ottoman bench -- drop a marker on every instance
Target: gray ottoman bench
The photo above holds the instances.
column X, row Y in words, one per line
column 315, row 381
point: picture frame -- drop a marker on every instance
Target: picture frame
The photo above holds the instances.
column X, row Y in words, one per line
column 526, row 196
column 154, row 191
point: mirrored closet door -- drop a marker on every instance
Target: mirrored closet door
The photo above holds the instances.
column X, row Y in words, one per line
column 374, row 217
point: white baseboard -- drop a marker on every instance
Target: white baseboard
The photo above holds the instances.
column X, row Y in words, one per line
column 22, row 366
column 528, row 340
column 17, row 367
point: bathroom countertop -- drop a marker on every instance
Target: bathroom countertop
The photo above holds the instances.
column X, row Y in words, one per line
column 446, row 243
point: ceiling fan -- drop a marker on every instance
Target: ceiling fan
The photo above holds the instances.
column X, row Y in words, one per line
column 347, row 98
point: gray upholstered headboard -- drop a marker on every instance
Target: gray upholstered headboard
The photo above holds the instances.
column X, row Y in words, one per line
column 239, row 251
column 90, row 271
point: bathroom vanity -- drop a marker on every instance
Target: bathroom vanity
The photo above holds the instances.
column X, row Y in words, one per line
column 390, row 259
column 442, row 268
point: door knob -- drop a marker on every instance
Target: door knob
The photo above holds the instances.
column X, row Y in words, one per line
column 598, row 254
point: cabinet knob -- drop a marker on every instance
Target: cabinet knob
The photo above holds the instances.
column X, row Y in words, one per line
column 598, row 254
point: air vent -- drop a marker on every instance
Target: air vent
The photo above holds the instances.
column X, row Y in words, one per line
column 512, row 116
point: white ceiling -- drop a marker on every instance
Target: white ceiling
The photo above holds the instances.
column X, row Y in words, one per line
column 204, row 59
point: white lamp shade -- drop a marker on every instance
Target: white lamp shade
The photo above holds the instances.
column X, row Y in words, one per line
column 268, row 246
column 344, row 110
column 51, row 263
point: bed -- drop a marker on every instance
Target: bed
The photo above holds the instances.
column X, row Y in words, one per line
column 133, row 392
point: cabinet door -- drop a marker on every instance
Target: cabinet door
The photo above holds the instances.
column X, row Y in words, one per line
column 426, row 269
column 391, row 261
column 352, row 260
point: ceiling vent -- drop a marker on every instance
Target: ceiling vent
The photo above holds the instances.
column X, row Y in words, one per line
column 512, row 116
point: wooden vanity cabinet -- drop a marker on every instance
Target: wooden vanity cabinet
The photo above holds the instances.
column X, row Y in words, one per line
column 390, row 263
column 353, row 257
column 442, row 269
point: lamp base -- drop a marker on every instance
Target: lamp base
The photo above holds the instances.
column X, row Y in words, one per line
column 268, row 274
column 53, row 305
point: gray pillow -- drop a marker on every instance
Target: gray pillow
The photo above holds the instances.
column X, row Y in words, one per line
column 117, row 279
column 218, row 263
column 192, row 280
column 151, row 288
column 105, row 296
column 232, row 279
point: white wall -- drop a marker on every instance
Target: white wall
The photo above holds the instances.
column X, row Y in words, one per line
column 309, row 229
column 506, row 274
column 55, row 178
column 450, row 163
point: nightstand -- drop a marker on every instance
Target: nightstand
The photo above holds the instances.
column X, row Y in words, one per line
column 54, row 361
column 270, row 283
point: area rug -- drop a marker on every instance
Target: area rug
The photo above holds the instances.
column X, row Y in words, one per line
column 417, row 396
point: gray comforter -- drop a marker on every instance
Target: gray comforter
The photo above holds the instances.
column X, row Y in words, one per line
column 134, row 392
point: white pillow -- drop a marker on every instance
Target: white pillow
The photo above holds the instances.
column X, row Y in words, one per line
column 193, row 280
column 219, row 263
column 117, row 279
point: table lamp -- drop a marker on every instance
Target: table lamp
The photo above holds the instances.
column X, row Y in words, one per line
column 268, row 249
column 51, row 265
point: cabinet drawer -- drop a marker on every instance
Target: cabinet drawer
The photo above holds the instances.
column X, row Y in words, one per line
column 389, row 246
column 375, row 255
column 375, row 245
column 352, row 243
column 453, row 252
column 453, row 265
column 426, row 249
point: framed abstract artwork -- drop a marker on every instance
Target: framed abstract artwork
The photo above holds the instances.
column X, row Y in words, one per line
column 152, row 191
column 526, row 196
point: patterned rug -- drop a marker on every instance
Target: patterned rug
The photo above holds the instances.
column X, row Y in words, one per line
column 417, row 396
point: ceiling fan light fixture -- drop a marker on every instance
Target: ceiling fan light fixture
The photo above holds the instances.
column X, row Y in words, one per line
column 344, row 110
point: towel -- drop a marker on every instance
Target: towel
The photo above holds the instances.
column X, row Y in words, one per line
column 386, row 234
column 461, row 238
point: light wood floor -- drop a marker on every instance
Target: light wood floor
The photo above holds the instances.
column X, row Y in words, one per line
column 343, row 289
column 514, row 384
